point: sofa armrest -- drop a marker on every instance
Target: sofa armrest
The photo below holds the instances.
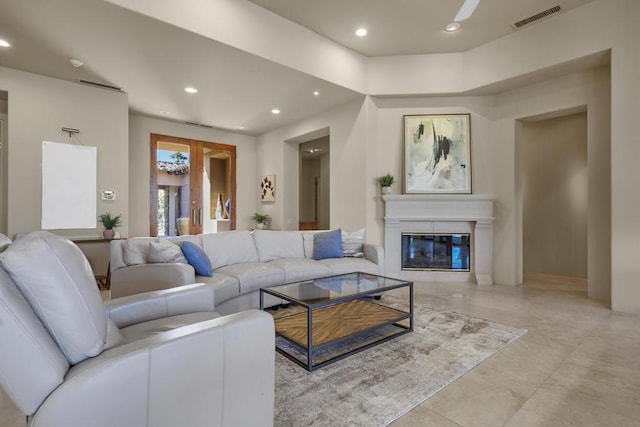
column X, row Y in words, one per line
column 375, row 254
column 154, row 305
column 214, row 373
column 135, row 279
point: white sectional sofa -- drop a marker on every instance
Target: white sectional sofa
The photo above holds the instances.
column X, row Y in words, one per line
column 242, row 263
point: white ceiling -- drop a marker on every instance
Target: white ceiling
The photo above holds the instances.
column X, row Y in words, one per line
column 408, row 27
column 153, row 61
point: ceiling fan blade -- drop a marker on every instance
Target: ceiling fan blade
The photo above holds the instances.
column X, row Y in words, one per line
column 466, row 10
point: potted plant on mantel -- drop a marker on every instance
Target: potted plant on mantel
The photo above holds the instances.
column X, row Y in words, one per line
column 385, row 183
column 262, row 220
column 109, row 223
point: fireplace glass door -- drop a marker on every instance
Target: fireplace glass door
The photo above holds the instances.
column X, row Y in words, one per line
column 447, row 252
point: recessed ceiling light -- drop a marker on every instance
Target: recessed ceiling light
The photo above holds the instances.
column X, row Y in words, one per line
column 454, row 26
column 275, row 111
column 316, row 93
column 76, row 62
column 4, row 43
column 166, row 113
column 191, row 90
column 361, row 32
column 241, row 127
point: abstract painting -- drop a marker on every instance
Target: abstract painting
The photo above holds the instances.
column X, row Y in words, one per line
column 268, row 188
column 437, row 154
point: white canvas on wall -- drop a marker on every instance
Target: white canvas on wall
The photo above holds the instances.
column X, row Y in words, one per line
column 68, row 186
column 268, row 188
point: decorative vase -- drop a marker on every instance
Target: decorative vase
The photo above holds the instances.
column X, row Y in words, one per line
column 386, row 190
column 260, row 225
column 108, row 234
column 219, row 207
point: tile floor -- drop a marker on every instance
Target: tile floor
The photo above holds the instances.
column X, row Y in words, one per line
column 578, row 365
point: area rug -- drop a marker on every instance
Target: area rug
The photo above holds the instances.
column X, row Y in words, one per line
column 379, row 385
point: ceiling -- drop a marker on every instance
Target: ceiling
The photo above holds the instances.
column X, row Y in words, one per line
column 152, row 61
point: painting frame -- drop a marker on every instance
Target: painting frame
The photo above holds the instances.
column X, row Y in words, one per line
column 437, row 153
column 268, row 188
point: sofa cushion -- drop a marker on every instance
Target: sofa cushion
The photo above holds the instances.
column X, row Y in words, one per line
column 299, row 269
column 225, row 286
column 197, row 258
column 164, row 251
column 41, row 365
column 278, row 244
column 350, row 265
column 62, row 291
column 327, row 245
column 253, row 276
column 352, row 243
column 135, row 251
column 177, row 240
column 4, row 242
column 229, row 247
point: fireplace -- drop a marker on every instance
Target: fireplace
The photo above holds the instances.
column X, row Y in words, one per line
column 444, row 252
column 469, row 216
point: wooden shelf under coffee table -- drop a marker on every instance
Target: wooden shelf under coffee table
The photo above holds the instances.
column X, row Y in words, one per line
column 340, row 310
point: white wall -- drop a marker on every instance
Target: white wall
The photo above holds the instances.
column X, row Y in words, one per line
column 38, row 108
column 555, row 195
column 140, row 131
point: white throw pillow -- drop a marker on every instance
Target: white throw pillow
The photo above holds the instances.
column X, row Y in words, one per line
column 56, row 279
column 352, row 243
column 136, row 250
column 164, row 251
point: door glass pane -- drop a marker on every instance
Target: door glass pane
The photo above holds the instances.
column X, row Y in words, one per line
column 173, row 212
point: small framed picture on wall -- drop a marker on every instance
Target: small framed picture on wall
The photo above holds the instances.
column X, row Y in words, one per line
column 268, row 188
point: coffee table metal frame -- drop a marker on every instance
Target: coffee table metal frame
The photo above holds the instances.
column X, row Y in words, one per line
column 311, row 307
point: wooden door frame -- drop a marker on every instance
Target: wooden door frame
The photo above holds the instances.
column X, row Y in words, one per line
column 196, row 190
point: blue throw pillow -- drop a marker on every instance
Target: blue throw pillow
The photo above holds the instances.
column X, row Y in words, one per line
column 197, row 258
column 327, row 245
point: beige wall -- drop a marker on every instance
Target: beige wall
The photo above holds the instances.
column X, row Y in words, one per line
column 139, row 142
column 278, row 154
column 38, row 108
column 555, row 195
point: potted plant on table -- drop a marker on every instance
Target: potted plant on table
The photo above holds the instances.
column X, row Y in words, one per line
column 262, row 220
column 385, row 183
column 109, row 223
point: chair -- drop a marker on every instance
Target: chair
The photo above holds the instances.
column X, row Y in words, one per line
column 161, row 358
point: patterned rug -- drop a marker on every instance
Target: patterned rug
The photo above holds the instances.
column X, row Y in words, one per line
column 379, row 385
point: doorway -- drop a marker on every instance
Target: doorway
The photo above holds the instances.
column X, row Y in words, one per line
column 192, row 186
column 555, row 198
column 314, row 209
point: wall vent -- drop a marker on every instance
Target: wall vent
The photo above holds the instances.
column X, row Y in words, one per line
column 199, row 124
column 536, row 17
column 100, row 85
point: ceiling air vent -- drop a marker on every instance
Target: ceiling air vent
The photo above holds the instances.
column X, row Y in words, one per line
column 101, row 85
column 536, row 17
column 199, row 124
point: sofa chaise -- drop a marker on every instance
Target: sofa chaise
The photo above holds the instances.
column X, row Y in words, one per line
column 241, row 261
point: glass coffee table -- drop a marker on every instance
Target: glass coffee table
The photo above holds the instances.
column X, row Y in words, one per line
column 330, row 318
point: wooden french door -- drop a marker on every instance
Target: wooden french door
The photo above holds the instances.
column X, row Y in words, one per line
column 192, row 186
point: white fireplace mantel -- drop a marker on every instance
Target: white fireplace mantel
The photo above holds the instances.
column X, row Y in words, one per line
column 438, row 213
